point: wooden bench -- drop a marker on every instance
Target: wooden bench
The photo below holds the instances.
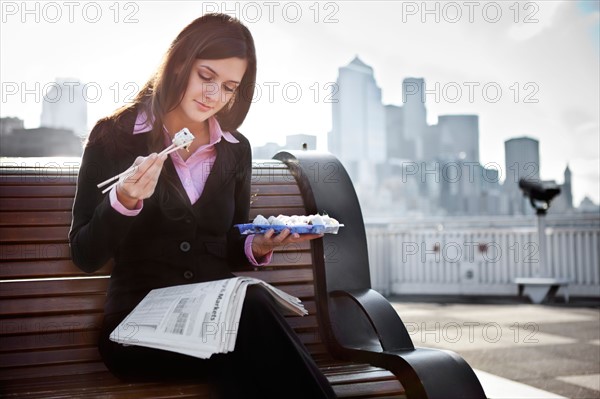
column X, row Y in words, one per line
column 51, row 311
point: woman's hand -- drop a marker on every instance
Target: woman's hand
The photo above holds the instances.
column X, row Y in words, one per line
column 265, row 243
column 142, row 183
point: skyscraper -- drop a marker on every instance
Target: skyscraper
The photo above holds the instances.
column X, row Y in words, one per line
column 8, row 124
column 566, row 190
column 358, row 135
column 459, row 137
column 415, row 114
column 564, row 202
column 522, row 161
column 394, row 117
column 65, row 107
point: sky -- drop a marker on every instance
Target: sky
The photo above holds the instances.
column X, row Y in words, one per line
column 527, row 68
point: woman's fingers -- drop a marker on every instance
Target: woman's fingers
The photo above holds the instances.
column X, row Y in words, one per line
column 279, row 238
column 287, row 237
column 306, row 237
column 141, row 166
column 142, row 183
column 150, row 171
column 264, row 243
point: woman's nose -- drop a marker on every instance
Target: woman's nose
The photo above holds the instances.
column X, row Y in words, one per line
column 211, row 91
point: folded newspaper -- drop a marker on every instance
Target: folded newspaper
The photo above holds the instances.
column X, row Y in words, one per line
column 195, row 319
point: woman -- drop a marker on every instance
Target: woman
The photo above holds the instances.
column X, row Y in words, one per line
column 171, row 222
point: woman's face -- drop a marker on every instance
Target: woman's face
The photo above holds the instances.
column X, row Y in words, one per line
column 211, row 85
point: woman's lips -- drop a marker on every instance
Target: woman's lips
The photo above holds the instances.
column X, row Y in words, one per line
column 202, row 107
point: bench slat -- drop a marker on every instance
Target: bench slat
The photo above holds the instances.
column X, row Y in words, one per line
column 41, row 178
column 302, row 323
column 62, row 382
column 47, row 177
column 86, row 303
column 389, row 389
column 280, row 189
column 68, row 191
column 103, row 382
column 37, row 191
column 370, row 375
column 69, row 382
column 58, row 251
column 68, row 323
column 294, row 247
column 24, row 218
column 38, row 255
column 58, row 356
column 16, row 345
column 53, row 211
column 104, row 385
column 156, row 391
column 36, row 204
column 75, row 331
column 310, row 337
column 52, row 311
column 270, row 171
column 267, row 164
column 260, row 180
column 65, row 338
column 281, row 276
column 52, row 305
column 40, row 371
column 301, row 291
column 317, row 350
column 291, row 258
column 50, row 340
column 266, row 211
column 40, row 251
column 52, row 288
column 66, row 268
column 34, row 234
column 272, row 201
column 332, row 367
column 61, row 251
column 46, row 269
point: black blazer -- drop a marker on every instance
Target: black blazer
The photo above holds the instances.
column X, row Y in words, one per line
column 171, row 241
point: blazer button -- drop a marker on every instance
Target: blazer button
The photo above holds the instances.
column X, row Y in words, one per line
column 185, row 246
column 188, row 274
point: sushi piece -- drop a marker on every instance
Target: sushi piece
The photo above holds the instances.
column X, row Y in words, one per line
column 260, row 220
column 183, row 138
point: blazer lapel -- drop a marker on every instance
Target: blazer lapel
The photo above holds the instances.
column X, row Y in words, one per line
column 171, row 174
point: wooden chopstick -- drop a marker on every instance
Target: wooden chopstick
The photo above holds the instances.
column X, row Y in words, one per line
column 132, row 168
column 166, row 151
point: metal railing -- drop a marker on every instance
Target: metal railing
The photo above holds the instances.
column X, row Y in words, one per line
column 464, row 256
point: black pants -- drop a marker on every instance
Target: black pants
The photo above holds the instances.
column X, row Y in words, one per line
column 267, row 353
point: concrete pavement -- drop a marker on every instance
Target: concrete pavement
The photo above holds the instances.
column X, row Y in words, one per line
column 518, row 349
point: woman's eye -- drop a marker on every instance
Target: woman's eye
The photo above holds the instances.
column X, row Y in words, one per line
column 207, row 78
column 229, row 89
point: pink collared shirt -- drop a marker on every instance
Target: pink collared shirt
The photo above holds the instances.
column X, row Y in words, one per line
column 192, row 172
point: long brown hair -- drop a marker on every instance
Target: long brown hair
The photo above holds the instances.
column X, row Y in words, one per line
column 211, row 37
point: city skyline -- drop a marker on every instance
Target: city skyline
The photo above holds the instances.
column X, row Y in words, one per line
column 402, row 166
column 553, row 61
